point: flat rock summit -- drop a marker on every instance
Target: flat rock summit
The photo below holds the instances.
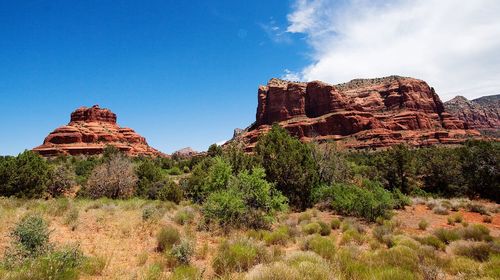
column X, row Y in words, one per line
column 89, row 131
column 363, row 113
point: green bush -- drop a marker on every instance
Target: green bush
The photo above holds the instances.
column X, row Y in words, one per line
column 167, row 237
column 93, row 266
column 26, row 175
column 369, row 202
column 423, row 224
column 237, row 256
column 279, row 236
column 447, row 235
column 185, row 272
column 325, row 228
column 183, row 251
column 311, row 228
column 322, row 246
column 249, row 201
column 31, row 234
column 475, row 232
column 296, row 266
column 433, row 241
column 288, row 163
column 478, row 251
column 184, row 215
column 335, row 223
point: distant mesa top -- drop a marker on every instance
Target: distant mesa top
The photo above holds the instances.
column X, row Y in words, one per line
column 89, row 131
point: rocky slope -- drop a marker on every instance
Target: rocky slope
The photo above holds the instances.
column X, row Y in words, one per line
column 362, row 113
column 482, row 113
column 89, row 131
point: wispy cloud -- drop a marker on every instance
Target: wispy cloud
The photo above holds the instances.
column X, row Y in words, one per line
column 276, row 33
column 454, row 45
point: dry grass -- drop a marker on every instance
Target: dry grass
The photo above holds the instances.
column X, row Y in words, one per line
column 120, row 239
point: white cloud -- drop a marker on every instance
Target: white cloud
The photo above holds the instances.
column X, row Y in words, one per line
column 291, row 76
column 274, row 32
column 453, row 45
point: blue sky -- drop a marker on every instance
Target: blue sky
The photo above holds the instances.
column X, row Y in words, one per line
column 186, row 73
column 181, row 73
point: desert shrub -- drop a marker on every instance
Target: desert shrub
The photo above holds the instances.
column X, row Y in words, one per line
column 304, row 217
column 433, row 241
column 440, row 210
column 167, row 190
column 492, row 267
column 186, row 272
column 323, row 246
column 240, row 161
column 451, row 221
column 383, row 232
column 431, row 204
column 369, row 202
column 487, row 219
column 112, row 179
column 184, row 215
column 399, row 256
column 464, row 267
column 335, row 223
column 311, row 228
column 325, row 228
column 478, row 251
column 423, row 224
column 150, row 212
column 457, row 218
column 477, row 208
column 58, row 206
column 296, row 266
column 183, row 251
column 71, row 218
column 400, row 200
column 351, row 236
column 447, row 235
column 153, row 272
column 31, row 236
column 475, row 232
column 167, row 237
column 237, row 256
column 278, row 236
column 289, row 164
column 62, row 180
column 333, row 166
column 26, row 176
column 174, row 171
column 59, row 264
column 93, row 266
column 148, row 173
column 249, row 201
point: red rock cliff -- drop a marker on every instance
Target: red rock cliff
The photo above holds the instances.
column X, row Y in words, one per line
column 363, row 113
column 482, row 113
column 89, row 131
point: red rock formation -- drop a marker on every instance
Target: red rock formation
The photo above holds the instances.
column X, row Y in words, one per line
column 481, row 113
column 185, row 153
column 362, row 113
column 89, row 131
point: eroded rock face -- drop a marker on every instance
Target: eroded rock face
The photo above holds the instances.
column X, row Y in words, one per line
column 482, row 113
column 89, row 131
column 362, row 113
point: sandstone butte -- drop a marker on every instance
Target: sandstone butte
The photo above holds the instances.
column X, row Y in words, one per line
column 363, row 113
column 482, row 113
column 89, row 131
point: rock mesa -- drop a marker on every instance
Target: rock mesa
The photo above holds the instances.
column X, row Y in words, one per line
column 363, row 113
column 89, row 131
